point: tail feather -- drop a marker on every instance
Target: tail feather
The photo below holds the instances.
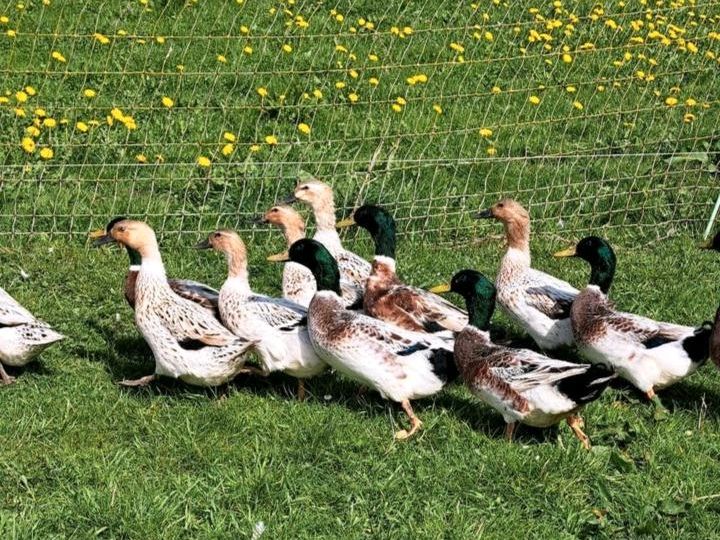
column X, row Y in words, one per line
column 587, row 386
column 697, row 346
column 443, row 365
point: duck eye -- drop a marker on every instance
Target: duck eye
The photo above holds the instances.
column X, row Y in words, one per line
column 501, row 205
column 305, row 188
column 217, row 235
column 121, row 229
column 275, row 210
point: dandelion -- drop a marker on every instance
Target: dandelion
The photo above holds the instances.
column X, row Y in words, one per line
column 46, row 153
column 689, row 118
column 28, row 145
column 255, row 148
column 304, row 128
column 82, row 127
column 228, row 149
column 40, row 113
column 221, row 58
column 141, row 158
column 104, row 40
column 339, row 18
column 600, row 87
column 229, row 137
column 287, row 48
column 160, row 40
column 317, row 93
column 32, row 131
column 353, row 97
column 167, row 102
column 339, row 85
column 354, row 74
column 248, row 50
column 272, row 140
column 89, row 93
column 486, row 132
column 491, row 150
column 567, row 58
column 19, row 112
column 244, row 29
column 204, row 162
column 488, row 36
column 373, row 81
column 457, row 47
column 401, row 101
column 262, row 91
column 4, row 19
column 49, row 123
column 56, row 55
column 373, row 57
column 578, row 105
column 495, row 90
column 437, row 108
column 671, row 101
column 690, row 102
column 20, row 96
column 11, row 33
column 534, row 100
column 397, row 108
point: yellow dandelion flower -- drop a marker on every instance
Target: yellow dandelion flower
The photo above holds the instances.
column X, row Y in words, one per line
column 354, row 74
column 49, row 123
column 691, row 47
column 82, row 127
column 272, row 140
column 20, row 96
column 690, row 102
column 411, row 81
column 262, row 91
column 317, row 93
column 40, row 113
column 167, row 102
column 221, row 58
column 228, row 149
column 353, row 97
column 4, row 19
column 255, row 148
column 570, row 89
column 457, row 47
column 32, row 131
column 19, row 112
column 339, row 18
column 486, row 132
column 244, row 29
column 304, row 128
column 56, row 55
column 141, row 158
column 400, row 100
column 437, row 108
column 688, row 118
column 89, row 93
column 534, row 100
column 11, row 33
column 229, row 137
column 397, row 108
column 103, row 39
column 374, row 81
column 339, row 85
column 4, row 100
column 491, row 150
column 248, row 50
column 671, row 101
column 28, row 145
column 600, row 87
column 46, row 153
column 204, row 162
column 287, row 48
column 488, row 36
column 373, row 57
column 567, row 58
column 578, row 105
column 495, row 90
column 160, row 39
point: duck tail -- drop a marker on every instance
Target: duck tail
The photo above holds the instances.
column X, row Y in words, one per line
column 587, row 386
column 697, row 346
column 443, row 365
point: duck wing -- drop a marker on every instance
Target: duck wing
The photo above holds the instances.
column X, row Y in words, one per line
column 12, row 313
column 197, row 292
column 549, row 295
column 188, row 322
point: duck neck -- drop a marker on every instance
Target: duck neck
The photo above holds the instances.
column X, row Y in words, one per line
column 237, row 267
column 517, row 233
column 135, row 259
column 384, row 239
column 327, row 275
column 602, row 269
column 293, row 233
column 324, row 210
column 151, row 260
column 480, row 310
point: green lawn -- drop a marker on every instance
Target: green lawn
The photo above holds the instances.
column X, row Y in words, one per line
column 84, row 458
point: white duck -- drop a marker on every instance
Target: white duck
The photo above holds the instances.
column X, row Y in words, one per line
column 538, row 302
column 319, row 196
column 277, row 326
column 651, row 355
column 22, row 336
column 401, row 365
column 187, row 341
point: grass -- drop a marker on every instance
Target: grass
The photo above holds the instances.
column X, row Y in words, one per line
column 84, row 458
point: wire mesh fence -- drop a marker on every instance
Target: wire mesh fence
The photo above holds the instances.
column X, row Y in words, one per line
column 197, row 115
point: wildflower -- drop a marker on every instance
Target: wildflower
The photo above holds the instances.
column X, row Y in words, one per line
column 228, row 149
column 457, row 47
column 244, row 30
column 339, row 85
column 46, row 153
column 40, row 113
column 82, row 127
column 688, row 118
column 671, row 101
column 354, row 74
column 204, row 162
column 578, row 105
column 229, row 137
column 32, row 131
column 304, row 128
column 317, row 93
column 262, row 91
column 373, row 57
column 600, row 88
column 495, row 90
column 89, row 93
column 486, row 132
column 11, row 33
column 28, row 145
column 141, row 158
column 373, row 81
column 488, row 36
column 397, row 108
column 248, row 50
column 21, row 97
column 690, row 102
column 255, row 148
column 271, row 140
column 221, row 58
column 167, row 102
column 353, row 97
column 30, row 90
column 50, row 123
column 437, row 108
column 287, row 48
column 491, row 151
column 400, row 100
column 104, row 40
column 56, row 55
column 339, row 18
column 534, row 100
column 567, row 58
column 160, row 39
column 19, row 112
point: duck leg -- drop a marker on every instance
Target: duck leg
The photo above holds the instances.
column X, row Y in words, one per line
column 142, row 381
column 661, row 413
column 301, row 390
column 576, row 423
column 4, row 377
column 510, row 431
column 415, row 422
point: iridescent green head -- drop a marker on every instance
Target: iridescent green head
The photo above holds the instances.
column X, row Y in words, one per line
column 479, row 294
column 318, row 259
column 601, row 257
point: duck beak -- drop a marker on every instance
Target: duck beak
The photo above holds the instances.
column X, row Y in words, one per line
column 345, row 223
column 101, row 238
column 290, row 199
column 280, row 257
column 485, row 214
column 203, row 244
column 569, row 252
column 440, row 289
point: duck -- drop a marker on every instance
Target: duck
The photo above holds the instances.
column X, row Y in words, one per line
column 399, row 364
column 278, row 326
column 199, row 293
column 298, row 284
column 526, row 387
column 714, row 245
column 389, row 299
column 187, row 341
column 651, row 355
column 538, row 302
column 319, row 196
column 22, row 336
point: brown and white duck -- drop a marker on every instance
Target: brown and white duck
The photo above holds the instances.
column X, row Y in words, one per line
column 389, row 299
column 199, row 293
column 538, row 302
column 524, row 386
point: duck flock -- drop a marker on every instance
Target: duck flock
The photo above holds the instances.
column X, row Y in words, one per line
column 341, row 312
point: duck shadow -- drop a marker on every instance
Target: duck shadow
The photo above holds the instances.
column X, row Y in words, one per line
column 692, row 397
column 36, row 368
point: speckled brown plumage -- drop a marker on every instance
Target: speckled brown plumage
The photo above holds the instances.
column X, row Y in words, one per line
column 190, row 290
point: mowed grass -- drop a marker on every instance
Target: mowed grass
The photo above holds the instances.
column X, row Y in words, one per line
column 83, row 458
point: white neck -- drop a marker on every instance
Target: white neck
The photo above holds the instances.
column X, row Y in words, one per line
column 238, row 284
column 517, row 257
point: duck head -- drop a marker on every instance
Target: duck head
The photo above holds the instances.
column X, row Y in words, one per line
column 289, row 221
column 231, row 245
column 479, row 294
column 601, row 257
column 515, row 219
column 319, row 261
column 379, row 223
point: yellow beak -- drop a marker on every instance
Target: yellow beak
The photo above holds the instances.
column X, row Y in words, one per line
column 96, row 234
column 440, row 289
column 569, row 252
column 280, row 257
column 345, row 223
